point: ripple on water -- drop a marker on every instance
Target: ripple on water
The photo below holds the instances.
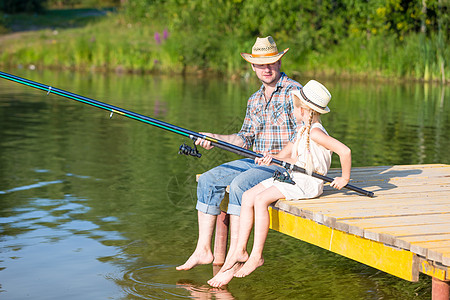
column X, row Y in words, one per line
column 162, row 281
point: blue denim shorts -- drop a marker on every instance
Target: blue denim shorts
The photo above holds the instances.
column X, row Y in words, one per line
column 240, row 175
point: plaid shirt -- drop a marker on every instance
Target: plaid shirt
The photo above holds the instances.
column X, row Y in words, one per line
column 269, row 125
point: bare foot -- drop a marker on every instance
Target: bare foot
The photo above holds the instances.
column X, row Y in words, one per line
column 250, row 265
column 197, row 258
column 222, row 278
column 237, row 256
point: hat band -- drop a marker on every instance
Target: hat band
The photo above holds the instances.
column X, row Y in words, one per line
column 267, row 54
column 306, row 98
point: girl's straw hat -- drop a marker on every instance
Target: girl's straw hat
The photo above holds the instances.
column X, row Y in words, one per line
column 264, row 52
column 315, row 95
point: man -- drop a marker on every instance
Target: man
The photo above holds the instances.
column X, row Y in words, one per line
column 268, row 126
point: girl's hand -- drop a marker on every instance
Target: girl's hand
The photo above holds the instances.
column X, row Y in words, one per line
column 265, row 160
column 339, row 182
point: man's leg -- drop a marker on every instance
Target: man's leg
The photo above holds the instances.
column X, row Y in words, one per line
column 210, row 192
column 202, row 254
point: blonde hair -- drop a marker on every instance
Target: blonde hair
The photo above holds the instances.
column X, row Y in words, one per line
column 309, row 167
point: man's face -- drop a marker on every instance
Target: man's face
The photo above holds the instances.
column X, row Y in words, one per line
column 268, row 74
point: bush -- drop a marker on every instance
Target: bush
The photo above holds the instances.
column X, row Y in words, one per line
column 18, row 6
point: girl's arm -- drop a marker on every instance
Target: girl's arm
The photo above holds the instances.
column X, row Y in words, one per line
column 340, row 149
column 284, row 155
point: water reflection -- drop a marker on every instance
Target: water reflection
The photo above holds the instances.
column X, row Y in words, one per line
column 104, row 208
column 157, row 282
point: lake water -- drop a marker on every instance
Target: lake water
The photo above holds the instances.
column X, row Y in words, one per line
column 100, row 208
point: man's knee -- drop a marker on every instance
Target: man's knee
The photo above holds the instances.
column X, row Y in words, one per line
column 204, row 179
column 237, row 186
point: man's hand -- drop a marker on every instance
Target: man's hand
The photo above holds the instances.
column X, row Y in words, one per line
column 204, row 143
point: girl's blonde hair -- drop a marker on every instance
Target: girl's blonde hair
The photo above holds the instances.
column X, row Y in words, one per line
column 309, row 167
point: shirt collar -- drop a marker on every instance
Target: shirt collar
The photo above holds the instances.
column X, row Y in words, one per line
column 280, row 83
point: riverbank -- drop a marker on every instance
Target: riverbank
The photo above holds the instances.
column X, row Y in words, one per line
column 103, row 41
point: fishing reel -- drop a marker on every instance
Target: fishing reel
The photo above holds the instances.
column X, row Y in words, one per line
column 283, row 177
column 187, row 150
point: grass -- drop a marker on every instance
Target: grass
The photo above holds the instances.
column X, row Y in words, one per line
column 86, row 42
column 102, row 40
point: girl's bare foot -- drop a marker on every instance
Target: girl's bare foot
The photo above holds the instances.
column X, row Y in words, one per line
column 237, row 256
column 222, row 278
column 250, row 265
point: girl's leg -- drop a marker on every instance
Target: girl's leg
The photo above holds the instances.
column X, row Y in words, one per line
column 262, row 219
column 238, row 254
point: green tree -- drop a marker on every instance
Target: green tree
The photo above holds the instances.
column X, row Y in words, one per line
column 18, row 6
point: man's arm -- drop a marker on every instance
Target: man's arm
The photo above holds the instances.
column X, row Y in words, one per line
column 228, row 138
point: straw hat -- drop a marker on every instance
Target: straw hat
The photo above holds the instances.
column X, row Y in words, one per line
column 264, row 51
column 315, row 95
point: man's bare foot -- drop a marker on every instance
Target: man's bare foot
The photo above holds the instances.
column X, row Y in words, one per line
column 197, row 258
column 222, row 278
column 250, row 265
column 237, row 256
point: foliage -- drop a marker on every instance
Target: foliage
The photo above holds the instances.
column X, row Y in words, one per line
column 209, row 33
column 17, row 6
column 381, row 38
column 2, row 24
column 81, row 3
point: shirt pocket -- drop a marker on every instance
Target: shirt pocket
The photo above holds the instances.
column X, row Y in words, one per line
column 278, row 117
column 257, row 116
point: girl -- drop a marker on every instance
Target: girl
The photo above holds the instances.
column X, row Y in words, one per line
column 312, row 151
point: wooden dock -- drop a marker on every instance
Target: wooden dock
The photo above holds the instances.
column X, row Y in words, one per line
column 404, row 230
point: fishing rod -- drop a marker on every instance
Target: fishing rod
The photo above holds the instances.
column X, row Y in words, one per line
column 184, row 149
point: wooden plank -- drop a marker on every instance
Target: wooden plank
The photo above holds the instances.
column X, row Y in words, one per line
column 357, row 226
column 394, row 172
column 365, row 204
column 396, row 175
column 341, row 197
column 422, row 248
column 387, row 190
column 370, row 222
column 389, row 234
column 446, row 259
column 406, row 242
column 403, row 178
column 399, row 211
column 380, row 169
column 438, row 253
column 349, row 196
column 332, row 219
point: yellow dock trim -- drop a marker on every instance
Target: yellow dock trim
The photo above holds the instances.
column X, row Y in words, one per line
column 398, row 262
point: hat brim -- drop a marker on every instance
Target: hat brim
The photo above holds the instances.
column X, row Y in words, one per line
column 263, row 60
column 309, row 104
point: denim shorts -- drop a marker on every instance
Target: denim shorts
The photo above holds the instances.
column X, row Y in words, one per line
column 240, row 175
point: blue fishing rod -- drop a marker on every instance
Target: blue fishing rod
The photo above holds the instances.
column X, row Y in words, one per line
column 184, row 149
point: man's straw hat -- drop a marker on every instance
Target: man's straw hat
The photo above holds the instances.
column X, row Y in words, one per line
column 315, row 95
column 264, row 51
